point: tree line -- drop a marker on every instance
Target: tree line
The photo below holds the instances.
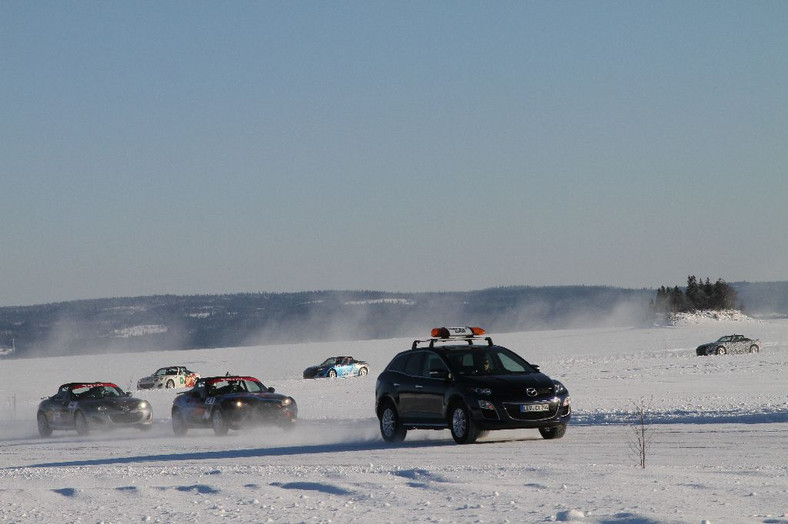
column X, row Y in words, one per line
column 697, row 296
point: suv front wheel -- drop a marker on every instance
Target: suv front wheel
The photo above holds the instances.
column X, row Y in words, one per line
column 463, row 428
column 553, row 431
column 390, row 428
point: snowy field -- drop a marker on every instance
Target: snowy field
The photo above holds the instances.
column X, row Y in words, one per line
column 719, row 449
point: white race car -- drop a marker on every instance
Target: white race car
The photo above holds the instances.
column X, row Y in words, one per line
column 169, row 377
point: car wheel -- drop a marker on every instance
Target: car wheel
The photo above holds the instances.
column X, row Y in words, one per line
column 463, row 428
column 362, row 372
column 754, row 348
column 332, row 373
column 170, row 384
column 219, row 422
column 179, row 426
column 553, row 431
column 44, row 429
column 390, row 428
column 288, row 425
column 721, row 350
column 81, row 424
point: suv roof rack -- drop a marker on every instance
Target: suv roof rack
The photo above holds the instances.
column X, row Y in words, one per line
column 453, row 335
column 455, row 341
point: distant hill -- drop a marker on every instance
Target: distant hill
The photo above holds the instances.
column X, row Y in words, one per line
column 204, row 321
column 763, row 299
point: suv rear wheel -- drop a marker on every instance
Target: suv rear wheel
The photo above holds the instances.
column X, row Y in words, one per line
column 463, row 428
column 390, row 428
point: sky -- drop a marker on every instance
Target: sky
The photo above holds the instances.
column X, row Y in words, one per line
column 212, row 147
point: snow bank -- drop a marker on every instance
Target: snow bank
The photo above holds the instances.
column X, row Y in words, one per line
column 708, row 317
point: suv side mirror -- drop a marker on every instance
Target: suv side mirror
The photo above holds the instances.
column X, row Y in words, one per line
column 536, row 367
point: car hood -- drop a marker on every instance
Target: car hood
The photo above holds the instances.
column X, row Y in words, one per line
column 117, row 402
column 515, row 383
column 254, row 396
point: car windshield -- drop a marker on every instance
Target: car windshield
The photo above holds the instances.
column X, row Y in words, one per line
column 92, row 391
column 235, row 385
column 329, row 361
column 488, row 361
column 166, row 371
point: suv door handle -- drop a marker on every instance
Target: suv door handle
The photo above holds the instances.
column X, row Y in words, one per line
column 395, row 384
column 419, row 386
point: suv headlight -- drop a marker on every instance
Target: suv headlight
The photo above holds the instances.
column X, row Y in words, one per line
column 558, row 387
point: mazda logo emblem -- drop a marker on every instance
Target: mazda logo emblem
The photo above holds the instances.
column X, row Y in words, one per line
column 531, row 392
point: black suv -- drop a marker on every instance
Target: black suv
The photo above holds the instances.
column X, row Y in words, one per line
column 462, row 381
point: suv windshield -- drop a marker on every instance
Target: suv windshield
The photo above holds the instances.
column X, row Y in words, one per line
column 493, row 360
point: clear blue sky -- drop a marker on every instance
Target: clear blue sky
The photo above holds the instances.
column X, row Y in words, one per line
column 218, row 147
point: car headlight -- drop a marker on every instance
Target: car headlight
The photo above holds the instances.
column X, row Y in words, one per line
column 287, row 401
column 558, row 387
column 101, row 409
column 143, row 405
column 239, row 403
column 483, row 391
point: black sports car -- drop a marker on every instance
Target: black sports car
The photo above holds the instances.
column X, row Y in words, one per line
column 84, row 406
column 231, row 402
column 729, row 344
column 461, row 381
column 342, row 366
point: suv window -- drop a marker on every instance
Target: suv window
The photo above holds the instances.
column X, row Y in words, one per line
column 509, row 364
column 413, row 364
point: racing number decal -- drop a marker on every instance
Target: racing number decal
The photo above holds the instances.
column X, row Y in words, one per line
column 209, row 402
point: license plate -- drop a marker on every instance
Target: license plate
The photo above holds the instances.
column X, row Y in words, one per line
column 529, row 408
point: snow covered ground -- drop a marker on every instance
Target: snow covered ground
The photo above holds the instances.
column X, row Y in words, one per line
column 719, row 451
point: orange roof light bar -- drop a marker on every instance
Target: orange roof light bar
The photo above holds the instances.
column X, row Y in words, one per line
column 458, row 332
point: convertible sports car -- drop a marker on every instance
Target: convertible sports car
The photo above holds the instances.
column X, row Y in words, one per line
column 342, row 366
column 169, row 377
column 84, row 406
column 231, row 402
column 729, row 344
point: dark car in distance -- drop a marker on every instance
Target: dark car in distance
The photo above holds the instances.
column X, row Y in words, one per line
column 83, row 406
column 231, row 402
column 341, row 366
column 729, row 344
column 462, row 381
